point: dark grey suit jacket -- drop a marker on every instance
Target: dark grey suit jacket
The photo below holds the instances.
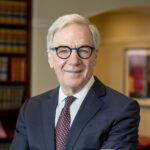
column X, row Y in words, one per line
column 105, row 120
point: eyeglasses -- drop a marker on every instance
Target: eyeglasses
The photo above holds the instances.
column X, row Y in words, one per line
column 64, row 52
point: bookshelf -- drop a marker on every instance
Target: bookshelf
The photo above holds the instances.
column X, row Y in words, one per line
column 15, row 53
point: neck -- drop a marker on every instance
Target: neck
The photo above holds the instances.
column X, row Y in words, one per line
column 70, row 91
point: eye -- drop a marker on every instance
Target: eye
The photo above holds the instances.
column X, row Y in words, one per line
column 84, row 50
column 63, row 50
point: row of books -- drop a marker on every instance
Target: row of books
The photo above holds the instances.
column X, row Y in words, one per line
column 13, row 40
column 15, row 72
column 3, row 68
column 18, row 69
column 5, row 146
column 11, row 96
column 13, row 12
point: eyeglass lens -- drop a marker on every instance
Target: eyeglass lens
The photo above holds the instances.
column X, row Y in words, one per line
column 65, row 52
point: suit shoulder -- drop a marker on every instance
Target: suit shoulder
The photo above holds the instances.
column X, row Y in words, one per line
column 34, row 103
column 109, row 95
column 117, row 99
column 37, row 100
column 43, row 96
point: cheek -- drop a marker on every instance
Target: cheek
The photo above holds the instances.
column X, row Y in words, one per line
column 92, row 62
column 90, row 66
column 95, row 59
column 58, row 65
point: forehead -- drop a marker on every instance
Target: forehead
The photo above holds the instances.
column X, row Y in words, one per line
column 73, row 34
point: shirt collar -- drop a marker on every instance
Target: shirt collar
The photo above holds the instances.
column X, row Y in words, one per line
column 80, row 95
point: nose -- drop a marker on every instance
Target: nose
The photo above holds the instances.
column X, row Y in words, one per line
column 74, row 58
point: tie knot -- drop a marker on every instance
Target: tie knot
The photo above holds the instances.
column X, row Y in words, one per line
column 69, row 100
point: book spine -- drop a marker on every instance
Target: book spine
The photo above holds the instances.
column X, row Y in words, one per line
column 2, row 39
column 11, row 96
column 18, row 69
column 3, row 68
column 13, row 12
column 13, row 40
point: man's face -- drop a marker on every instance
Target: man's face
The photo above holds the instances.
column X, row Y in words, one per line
column 74, row 72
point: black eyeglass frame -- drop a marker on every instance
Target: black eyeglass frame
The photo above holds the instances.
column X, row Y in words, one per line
column 77, row 49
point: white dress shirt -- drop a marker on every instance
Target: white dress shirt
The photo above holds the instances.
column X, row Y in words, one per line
column 76, row 104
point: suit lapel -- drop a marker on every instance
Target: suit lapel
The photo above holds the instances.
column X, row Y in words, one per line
column 90, row 106
column 49, row 107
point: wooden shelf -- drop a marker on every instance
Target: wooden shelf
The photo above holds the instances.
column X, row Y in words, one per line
column 16, row 38
column 14, row 26
column 12, row 82
column 13, row 54
column 4, row 140
column 9, row 113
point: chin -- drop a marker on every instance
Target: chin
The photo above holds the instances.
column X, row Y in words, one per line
column 75, row 82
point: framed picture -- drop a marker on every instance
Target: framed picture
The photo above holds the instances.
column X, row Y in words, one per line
column 137, row 74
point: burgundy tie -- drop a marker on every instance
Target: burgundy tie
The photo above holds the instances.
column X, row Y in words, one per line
column 63, row 124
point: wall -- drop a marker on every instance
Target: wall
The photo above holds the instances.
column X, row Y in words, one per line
column 122, row 29
column 43, row 78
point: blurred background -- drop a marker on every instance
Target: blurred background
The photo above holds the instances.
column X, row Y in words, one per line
column 123, row 25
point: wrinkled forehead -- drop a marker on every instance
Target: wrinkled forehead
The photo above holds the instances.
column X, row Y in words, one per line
column 73, row 32
column 73, row 28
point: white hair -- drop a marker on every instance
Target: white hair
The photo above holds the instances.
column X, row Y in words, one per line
column 72, row 18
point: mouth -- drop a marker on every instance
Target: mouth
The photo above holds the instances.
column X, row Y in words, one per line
column 74, row 71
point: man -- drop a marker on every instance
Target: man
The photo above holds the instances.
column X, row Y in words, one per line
column 94, row 116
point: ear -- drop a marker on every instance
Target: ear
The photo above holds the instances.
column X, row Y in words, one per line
column 95, row 57
column 50, row 59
